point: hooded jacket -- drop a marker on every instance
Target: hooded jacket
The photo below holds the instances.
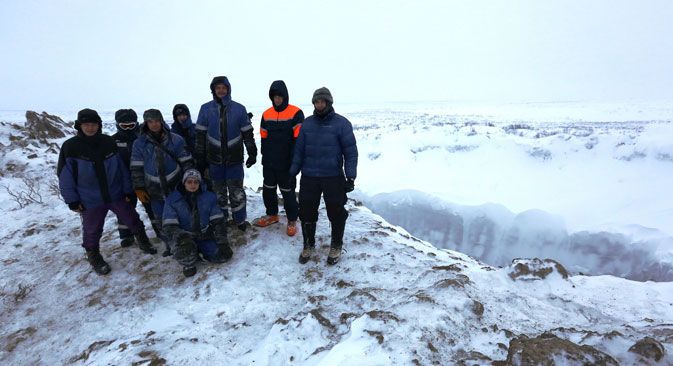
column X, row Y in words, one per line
column 279, row 129
column 196, row 215
column 91, row 171
column 222, row 128
column 325, row 147
column 154, row 170
column 125, row 138
column 184, row 129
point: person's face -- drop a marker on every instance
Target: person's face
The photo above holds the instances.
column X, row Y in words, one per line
column 191, row 185
column 182, row 118
column 277, row 100
column 89, row 129
column 221, row 90
column 154, row 125
column 320, row 104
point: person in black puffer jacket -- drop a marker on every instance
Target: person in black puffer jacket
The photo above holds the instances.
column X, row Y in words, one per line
column 127, row 132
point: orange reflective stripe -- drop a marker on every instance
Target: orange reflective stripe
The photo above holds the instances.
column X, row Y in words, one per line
column 286, row 115
column 263, row 133
column 296, row 130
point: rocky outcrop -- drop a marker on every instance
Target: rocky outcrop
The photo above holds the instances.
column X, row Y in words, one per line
column 45, row 126
column 528, row 269
column 549, row 349
column 649, row 348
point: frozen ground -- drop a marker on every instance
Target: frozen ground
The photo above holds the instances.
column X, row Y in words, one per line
column 394, row 299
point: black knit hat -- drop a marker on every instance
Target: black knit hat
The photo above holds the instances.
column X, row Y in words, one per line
column 153, row 114
column 87, row 115
column 126, row 115
column 324, row 94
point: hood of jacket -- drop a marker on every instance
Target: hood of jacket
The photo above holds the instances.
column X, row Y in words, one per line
column 221, row 80
column 278, row 88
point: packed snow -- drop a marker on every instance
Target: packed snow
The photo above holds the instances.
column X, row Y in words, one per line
column 446, row 197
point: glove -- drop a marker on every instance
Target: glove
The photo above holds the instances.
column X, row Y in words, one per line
column 252, row 159
column 143, row 196
column 350, row 185
column 76, row 206
column 250, row 116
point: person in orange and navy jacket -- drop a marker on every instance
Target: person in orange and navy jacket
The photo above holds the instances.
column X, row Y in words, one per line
column 279, row 130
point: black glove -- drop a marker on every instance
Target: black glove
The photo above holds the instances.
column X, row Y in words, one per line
column 350, row 185
column 250, row 116
column 252, row 159
column 74, row 206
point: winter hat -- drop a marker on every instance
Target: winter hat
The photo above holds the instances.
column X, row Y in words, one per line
column 180, row 109
column 324, row 94
column 191, row 173
column 87, row 115
column 126, row 115
column 153, row 114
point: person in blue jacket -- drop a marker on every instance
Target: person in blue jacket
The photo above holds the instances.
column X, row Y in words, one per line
column 182, row 125
column 223, row 127
column 158, row 161
column 194, row 223
column 325, row 149
column 94, row 180
column 127, row 132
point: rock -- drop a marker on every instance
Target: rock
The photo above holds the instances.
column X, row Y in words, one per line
column 649, row 348
column 528, row 269
column 45, row 126
column 548, row 349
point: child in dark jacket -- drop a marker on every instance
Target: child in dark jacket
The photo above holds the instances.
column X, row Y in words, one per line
column 194, row 223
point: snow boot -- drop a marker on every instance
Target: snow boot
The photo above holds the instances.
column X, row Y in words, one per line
column 189, row 271
column 266, row 220
column 308, row 232
column 97, row 262
column 126, row 242
column 167, row 252
column 144, row 243
column 336, row 242
column 291, row 228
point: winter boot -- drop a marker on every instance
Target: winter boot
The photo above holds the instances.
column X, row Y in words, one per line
column 337, row 242
column 97, row 262
column 291, row 228
column 308, row 232
column 167, row 252
column 126, row 242
column 266, row 220
column 144, row 243
column 189, row 271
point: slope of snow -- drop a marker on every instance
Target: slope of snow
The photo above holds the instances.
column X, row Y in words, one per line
column 392, row 300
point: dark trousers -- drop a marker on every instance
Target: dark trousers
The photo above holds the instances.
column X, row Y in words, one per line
column 93, row 220
column 280, row 178
column 334, row 192
column 124, row 231
column 228, row 187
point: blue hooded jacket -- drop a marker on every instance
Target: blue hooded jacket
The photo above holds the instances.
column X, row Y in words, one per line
column 178, row 212
column 325, row 147
column 184, row 129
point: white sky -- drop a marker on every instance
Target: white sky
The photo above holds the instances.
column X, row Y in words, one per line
column 74, row 54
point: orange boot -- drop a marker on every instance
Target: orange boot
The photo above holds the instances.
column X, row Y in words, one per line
column 291, row 228
column 266, row 220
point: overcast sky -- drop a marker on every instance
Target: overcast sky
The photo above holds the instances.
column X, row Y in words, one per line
column 113, row 54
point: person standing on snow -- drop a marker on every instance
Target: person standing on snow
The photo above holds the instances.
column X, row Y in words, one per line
column 158, row 161
column 325, row 148
column 94, row 180
column 127, row 133
column 279, row 129
column 183, row 126
column 194, row 222
column 222, row 128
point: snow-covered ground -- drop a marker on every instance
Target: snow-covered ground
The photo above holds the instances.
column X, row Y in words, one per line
column 549, row 181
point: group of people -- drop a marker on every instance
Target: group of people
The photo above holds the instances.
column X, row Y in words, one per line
column 189, row 176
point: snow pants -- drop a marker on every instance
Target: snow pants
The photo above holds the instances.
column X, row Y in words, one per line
column 280, row 178
column 228, row 187
column 124, row 231
column 93, row 220
column 334, row 193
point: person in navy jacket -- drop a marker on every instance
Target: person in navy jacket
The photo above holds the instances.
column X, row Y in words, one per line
column 94, row 180
column 182, row 125
column 325, row 149
column 158, row 161
column 194, row 223
column 223, row 127
column 127, row 132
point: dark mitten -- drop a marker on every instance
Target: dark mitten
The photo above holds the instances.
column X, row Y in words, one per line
column 74, row 206
column 252, row 159
column 350, row 185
